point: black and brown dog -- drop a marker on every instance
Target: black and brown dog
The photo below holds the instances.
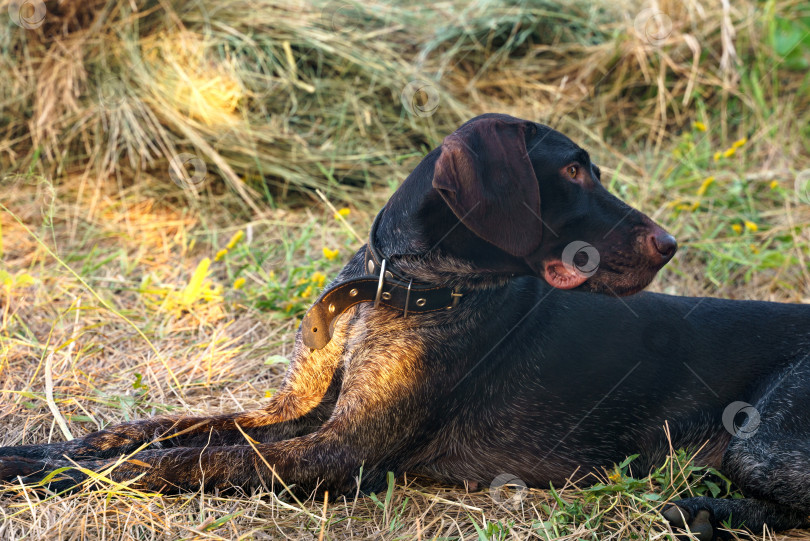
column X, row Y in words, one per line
column 448, row 348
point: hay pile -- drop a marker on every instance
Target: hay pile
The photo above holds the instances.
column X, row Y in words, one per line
column 274, row 96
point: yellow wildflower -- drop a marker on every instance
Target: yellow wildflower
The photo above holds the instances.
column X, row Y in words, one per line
column 211, row 292
column 318, row 278
column 238, row 283
column 10, row 281
column 774, row 184
column 688, row 206
column 717, row 155
column 737, row 228
column 751, row 226
column 235, row 239
column 729, row 152
column 220, row 254
column 754, row 248
column 705, row 186
column 699, row 126
column 739, row 142
column 194, row 290
column 342, row 213
column 330, row 254
column 615, row 477
column 307, row 292
column 268, row 394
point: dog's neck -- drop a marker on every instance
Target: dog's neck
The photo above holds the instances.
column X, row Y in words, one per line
column 411, row 244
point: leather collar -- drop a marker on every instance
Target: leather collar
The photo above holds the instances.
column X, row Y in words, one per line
column 382, row 285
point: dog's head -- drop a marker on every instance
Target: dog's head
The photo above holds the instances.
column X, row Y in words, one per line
column 534, row 194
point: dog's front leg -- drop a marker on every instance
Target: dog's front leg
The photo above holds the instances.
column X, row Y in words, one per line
column 304, row 401
column 310, row 462
column 374, row 426
column 329, row 459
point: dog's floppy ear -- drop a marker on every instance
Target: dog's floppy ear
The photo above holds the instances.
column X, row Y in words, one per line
column 485, row 176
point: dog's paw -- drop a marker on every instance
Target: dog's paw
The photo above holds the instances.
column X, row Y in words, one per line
column 12, row 467
column 33, row 471
column 682, row 516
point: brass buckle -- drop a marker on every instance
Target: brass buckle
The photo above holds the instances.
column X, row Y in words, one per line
column 407, row 299
column 380, row 284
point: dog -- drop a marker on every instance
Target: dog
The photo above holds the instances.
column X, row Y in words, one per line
column 494, row 324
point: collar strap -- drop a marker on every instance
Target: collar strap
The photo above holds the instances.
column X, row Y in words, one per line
column 382, row 286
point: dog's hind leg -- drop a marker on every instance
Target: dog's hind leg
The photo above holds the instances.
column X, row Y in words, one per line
column 705, row 516
column 303, row 402
column 769, row 459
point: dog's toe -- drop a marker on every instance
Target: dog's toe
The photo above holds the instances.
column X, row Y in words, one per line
column 680, row 518
column 677, row 517
column 34, row 472
column 702, row 527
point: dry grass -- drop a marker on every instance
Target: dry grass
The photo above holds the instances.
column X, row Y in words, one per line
column 302, row 95
column 97, row 293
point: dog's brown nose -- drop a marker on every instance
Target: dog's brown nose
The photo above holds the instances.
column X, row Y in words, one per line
column 665, row 244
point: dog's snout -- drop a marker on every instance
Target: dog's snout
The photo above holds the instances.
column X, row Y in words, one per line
column 664, row 245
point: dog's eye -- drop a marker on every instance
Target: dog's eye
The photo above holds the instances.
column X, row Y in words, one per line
column 574, row 173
